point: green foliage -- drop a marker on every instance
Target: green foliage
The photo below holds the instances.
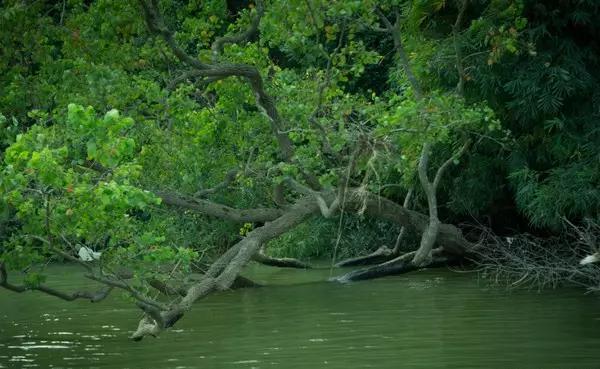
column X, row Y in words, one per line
column 73, row 183
column 73, row 177
column 547, row 97
column 324, row 239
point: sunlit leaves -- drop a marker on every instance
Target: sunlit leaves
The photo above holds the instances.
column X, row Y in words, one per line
column 57, row 191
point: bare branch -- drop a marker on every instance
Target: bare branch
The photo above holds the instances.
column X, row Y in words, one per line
column 191, row 75
column 394, row 30
column 225, row 270
column 406, row 205
column 327, row 211
column 125, row 286
column 265, row 259
column 422, row 169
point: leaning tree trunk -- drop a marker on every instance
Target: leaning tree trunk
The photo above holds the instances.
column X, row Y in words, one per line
column 401, row 264
column 383, row 253
column 224, row 271
column 423, row 256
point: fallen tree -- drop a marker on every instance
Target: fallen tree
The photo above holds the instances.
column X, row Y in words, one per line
column 417, row 124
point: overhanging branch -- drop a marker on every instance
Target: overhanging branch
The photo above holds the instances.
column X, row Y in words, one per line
column 218, row 210
column 250, row 73
column 95, row 296
column 225, row 270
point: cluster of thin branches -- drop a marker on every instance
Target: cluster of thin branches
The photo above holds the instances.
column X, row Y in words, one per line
column 533, row 262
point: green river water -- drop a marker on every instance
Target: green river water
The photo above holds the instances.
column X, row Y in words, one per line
column 428, row 319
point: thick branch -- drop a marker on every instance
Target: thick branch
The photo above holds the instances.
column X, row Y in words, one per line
column 380, row 255
column 219, row 43
column 422, row 170
column 399, row 265
column 219, row 71
column 394, row 30
column 450, row 237
column 430, row 233
column 220, row 211
column 225, row 270
column 190, row 75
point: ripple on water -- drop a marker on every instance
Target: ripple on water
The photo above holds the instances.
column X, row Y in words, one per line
column 20, row 358
column 246, row 362
column 91, row 337
column 33, row 347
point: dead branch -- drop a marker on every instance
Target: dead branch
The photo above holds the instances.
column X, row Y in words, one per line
column 400, row 265
column 531, row 262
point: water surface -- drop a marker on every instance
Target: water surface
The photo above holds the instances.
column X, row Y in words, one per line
column 428, row 319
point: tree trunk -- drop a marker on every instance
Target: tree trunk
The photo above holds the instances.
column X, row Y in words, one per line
column 222, row 274
column 399, row 265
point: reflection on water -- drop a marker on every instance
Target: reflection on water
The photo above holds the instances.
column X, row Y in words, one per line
column 430, row 319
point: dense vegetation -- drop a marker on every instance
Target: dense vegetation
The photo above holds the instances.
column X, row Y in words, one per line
column 183, row 138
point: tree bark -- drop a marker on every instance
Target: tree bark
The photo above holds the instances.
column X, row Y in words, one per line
column 262, row 258
column 257, row 215
column 449, row 236
column 225, row 270
column 400, row 265
column 432, row 229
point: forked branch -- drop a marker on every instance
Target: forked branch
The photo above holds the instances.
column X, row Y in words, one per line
column 264, row 101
